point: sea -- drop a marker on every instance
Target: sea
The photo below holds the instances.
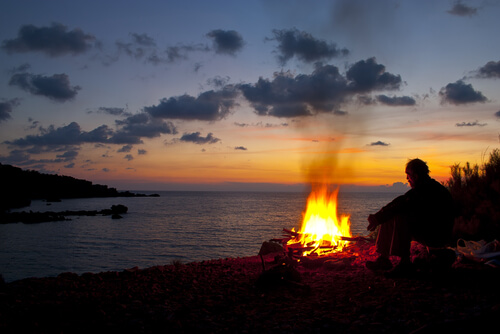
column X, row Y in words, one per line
column 176, row 227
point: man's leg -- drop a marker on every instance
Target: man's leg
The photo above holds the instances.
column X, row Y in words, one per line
column 393, row 238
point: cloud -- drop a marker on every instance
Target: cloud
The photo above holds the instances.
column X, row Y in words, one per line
column 368, row 75
column 300, row 44
column 261, row 125
column 144, row 47
column 22, row 157
column 56, row 87
column 459, row 9
column 54, row 40
column 240, row 148
column 125, row 149
column 379, row 143
column 130, row 131
column 70, row 134
column 111, row 111
column 141, row 151
column 396, row 101
column 6, row 107
column 322, row 91
column 460, row 93
column 490, row 70
column 218, row 81
column 475, row 123
column 497, row 114
column 181, row 52
column 208, row 106
column 68, row 155
column 226, row 41
column 129, row 157
column 138, row 126
column 196, row 138
column 141, row 46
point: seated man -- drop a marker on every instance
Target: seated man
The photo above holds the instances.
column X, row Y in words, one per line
column 423, row 214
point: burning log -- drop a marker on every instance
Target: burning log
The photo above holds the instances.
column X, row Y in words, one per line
column 290, row 232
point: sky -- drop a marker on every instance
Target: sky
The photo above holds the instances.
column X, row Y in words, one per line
column 248, row 95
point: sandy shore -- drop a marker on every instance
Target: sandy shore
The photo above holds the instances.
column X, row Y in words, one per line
column 234, row 296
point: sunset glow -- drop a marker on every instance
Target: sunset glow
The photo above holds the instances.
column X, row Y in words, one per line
column 255, row 95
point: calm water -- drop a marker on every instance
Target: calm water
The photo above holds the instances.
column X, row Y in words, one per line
column 177, row 226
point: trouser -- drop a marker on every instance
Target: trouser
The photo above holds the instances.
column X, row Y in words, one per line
column 394, row 237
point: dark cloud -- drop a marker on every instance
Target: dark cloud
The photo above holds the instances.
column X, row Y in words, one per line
column 322, row 91
column 218, row 81
column 141, row 46
column 460, row 93
column 21, row 68
column 54, row 40
column 497, row 114
column 460, row 9
column 68, row 155
column 261, row 125
column 129, row 157
column 125, row 149
column 23, row 158
column 141, row 151
column 467, row 124
column 240, row 148
column 182, row 51
column 56, row 87
column 66, row 135
column 300, row 44
column 196, row 138
column 6, row 107
column 396, row 101
column 112, row 111
column 129, row 132
column 226, row 41
column 379, row 143
column 288, row 96
column 143, row 39
column 368, row 75
column 208, row 106
column 138, row 126
column 490, row 70
column 340, row 112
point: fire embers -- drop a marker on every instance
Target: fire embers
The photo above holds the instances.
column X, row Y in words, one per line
column 322, row 231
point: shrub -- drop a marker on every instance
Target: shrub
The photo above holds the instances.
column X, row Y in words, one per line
column 476, row 192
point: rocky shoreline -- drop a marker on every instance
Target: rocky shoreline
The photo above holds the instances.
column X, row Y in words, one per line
column 50, row 216
column 235, row 296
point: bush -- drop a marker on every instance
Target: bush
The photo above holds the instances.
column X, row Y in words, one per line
column 476, row 192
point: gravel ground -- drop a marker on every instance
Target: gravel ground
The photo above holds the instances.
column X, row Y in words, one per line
column 336, row 294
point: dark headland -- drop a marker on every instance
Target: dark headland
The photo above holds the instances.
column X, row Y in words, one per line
column 19, row 187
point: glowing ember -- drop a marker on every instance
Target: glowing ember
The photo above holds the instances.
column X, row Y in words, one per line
column 321, row 229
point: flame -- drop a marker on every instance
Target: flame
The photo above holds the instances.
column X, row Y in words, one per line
column 321, row 229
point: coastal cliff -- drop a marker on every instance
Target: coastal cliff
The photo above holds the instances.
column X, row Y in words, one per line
column 19, row 187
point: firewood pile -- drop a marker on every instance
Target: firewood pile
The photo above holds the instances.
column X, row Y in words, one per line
column 356, row 250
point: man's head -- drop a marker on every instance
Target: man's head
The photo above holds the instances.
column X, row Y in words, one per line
column 416, row 171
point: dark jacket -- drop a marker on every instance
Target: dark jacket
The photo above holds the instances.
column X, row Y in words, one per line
column 428, row 209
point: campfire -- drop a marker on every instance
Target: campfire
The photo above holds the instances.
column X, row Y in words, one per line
column 322, row 231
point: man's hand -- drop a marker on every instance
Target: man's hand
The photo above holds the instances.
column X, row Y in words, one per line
column 373, row 223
